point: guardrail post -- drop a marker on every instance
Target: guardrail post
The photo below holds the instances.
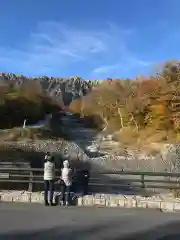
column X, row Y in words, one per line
column 142, row 181
column 30, row 188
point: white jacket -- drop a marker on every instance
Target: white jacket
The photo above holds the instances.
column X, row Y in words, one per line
column 66, row 174
column 49, row 170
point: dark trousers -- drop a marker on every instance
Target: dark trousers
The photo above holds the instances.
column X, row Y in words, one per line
column 65, row 193
column 85, row 186
column 48, row 187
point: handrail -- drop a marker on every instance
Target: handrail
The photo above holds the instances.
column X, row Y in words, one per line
column 122, row 172
column 31, row 176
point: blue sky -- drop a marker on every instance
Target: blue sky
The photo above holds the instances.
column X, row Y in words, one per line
column 93, row 39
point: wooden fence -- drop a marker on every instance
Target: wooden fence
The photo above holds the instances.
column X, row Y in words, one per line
column 31, row 177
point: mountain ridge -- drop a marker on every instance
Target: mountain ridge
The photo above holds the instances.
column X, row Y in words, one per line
column 62, row 89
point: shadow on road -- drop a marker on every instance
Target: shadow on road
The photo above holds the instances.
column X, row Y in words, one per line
column 169, row 231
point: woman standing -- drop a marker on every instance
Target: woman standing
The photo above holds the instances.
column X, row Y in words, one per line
column 66, row 183
column 49, row 177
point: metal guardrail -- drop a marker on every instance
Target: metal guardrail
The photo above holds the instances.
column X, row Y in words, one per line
column 32, row 176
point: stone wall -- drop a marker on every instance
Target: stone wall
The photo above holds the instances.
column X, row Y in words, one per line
column 161, row 203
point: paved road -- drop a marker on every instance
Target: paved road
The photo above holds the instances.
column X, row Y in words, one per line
column 35, row 221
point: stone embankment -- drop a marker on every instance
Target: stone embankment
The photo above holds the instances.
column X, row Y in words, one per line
column 162, row 203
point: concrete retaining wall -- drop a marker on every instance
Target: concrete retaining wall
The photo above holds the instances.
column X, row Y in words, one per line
column 162, row 203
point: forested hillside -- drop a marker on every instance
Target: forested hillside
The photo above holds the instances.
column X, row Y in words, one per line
column 32, row 98
column 134, row 110
column 137, row 109
column 27, row 101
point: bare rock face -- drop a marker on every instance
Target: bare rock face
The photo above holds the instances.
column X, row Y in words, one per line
column 64, row 90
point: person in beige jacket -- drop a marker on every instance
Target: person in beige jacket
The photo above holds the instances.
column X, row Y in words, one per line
column 66, row 183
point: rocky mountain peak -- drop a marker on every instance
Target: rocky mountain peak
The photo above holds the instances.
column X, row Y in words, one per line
column 62, row 89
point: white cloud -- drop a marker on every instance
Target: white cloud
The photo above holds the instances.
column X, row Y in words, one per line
column 125, row 63
column 54, row 46
column 105, row 69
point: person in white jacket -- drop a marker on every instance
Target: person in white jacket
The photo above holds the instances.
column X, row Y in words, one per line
column 66, row 183
column 49, row 177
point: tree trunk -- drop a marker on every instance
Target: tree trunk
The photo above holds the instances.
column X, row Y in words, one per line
column 82, row 108
column 134, row 121
column 121, row 118
column 105, row 122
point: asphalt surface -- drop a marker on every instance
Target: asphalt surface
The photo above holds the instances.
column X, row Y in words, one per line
column 35, row 221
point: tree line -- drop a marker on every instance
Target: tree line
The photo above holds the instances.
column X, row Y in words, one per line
column 141, row 104
column 26, row 101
